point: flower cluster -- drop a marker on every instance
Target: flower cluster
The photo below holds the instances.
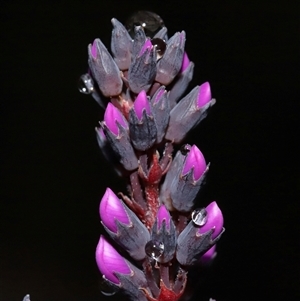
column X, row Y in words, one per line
column 155, row 233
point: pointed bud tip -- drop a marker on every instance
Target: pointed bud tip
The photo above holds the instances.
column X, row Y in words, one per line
column 112, row 209
column 141, row 103
column 147, row 45
column 214, row 220
column 185, row 62
column 195, row 160
column 111, row 116
column 163, row 214
column 94, row 49
column 110, row 261
column 204, row 95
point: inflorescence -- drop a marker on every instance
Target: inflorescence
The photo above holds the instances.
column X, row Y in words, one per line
column 154, row 234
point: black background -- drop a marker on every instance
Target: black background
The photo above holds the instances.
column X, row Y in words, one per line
column 54, row 174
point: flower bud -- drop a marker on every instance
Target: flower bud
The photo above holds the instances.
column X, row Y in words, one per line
column 142, row 70
column 164, row 231
column 116, row 131
column 195, row 163
column 123, row 225
column 195, row 240
column 113, row 118
column 187, row 174
column 118, row 272
column 121, row 45
column 161, row 112
column 138, row 41
column 142, row 127
column 169, row 65
column 214, row 220
column 104, row 69
column 188, row 112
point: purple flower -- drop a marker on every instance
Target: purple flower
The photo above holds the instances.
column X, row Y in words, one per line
column 194, row 162
column 169, row 65
column 142, row 128
column 123, row 226
column 195, row 240
column 142, row 70
column 111, row 209
column 113, row 118
column 163, row 215
column 121, row 45
column 104, row 69
column 116, row 131
column 141, row 104
column 184, row 179
column 110, row 261
column 214, row 220
column 189, row 112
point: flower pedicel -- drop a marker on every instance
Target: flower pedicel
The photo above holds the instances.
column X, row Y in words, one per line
column 155, row 233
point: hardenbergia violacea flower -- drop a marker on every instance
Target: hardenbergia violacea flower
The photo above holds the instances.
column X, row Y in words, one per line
column 155, row 233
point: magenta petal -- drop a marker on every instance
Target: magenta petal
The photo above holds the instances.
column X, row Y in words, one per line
column 94, row 49
column 111, row 115
column 163, row 214
column 111, row 209
column 195, row 159
column 185, row 62
column 110, row 261
column 214, row 220
column 147, row 45
column 141, row 103
column 204, row 95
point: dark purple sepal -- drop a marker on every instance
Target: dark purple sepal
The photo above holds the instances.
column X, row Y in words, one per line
column 133, row 237
column 184, row 189
column 167, row 237
column 122, row 146
column 161, row 112
column 121, row 45
column 142, row 131
column 104, row 69
column 186, row 115
column 191, row 244
column 173, row 172
column 182, row 81
column 142, row 71
column 170, row 64
column 133, row 285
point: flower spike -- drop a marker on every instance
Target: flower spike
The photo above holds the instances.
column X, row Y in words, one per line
column 155, row 232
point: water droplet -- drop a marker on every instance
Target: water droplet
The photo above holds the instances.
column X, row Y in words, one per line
column 86, row 84
column 151, row 23
column 107, row 288
column 185, row 149
column 154, row 249
column 199, row 216
column 160, row 47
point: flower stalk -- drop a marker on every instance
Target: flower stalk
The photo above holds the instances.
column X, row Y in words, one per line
column 156, row 224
